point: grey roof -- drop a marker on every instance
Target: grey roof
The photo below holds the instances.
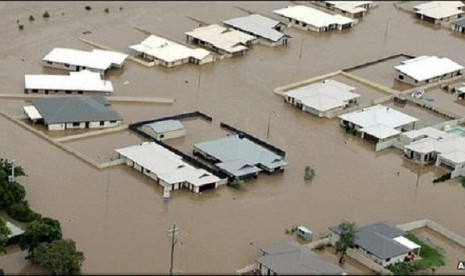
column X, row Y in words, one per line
column 377, row 238
column 232, row 148
column 288, row 257
column 238, row 167
column 258, row 25
column 74, row 109
column 166, row 126
column 460, row 23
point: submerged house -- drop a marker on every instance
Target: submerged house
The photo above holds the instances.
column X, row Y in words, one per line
column 291, row 258
column 221, row 40
column 308, row 18
column 427, row 69
column 378, row 123
column 72, row 113
column 382, row 243
column 76, row 60
column 459, row 26
column 322, row 97
column 164, row 130
column 437, row 12
column 76, row 82
column 167, row 53
column 354, row 9
column 267, row 30
column 239, row 157
column 168, row 169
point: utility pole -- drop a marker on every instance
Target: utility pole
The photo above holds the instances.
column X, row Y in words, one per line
column 173, row 234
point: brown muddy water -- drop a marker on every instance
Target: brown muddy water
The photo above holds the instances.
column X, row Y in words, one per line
column 117, row 216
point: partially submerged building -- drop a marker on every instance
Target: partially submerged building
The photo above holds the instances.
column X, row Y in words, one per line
column 76, row 60
column 429, row 145
column 221, row 40
column 459, row 26
column 78, row 112
column 289, row 257
column 167, row 168
column 437, row 12
column 427, row 69
column 382, row 243
column 308, row 18
column 164, row 130
column 322, row 97
column 354, row 9
column 378, row 123
column 267, row 30
column 76, row 82
column 15, row 233
column 168, row 53
column 239, row 157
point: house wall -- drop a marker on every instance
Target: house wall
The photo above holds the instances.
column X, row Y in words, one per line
column 170, row 134
column 385, row 144
column 409, row 80
column 53, row 91
column 71, row 67
column 105, row 124
column 56, row 126
column 72, row 126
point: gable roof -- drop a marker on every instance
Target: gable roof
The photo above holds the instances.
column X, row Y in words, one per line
column 167, row 50
column 313, row 16
column 226, row 39
column 238, row 167
column 257, row 24
column 74, row 109
column 427, row 67
column 165, row 126
column 97, row 59
column 289, row 257
column 84, row 80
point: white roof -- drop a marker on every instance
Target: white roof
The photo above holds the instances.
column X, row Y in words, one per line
column 407, row 243
column 258, row 25
column 14, row 230
column 226, row 39
column 425, row 67
column 451, row 147
column 426, row 132
column 324, row 95
column 32, row 112
column 167, row 50
column 370, row 117
column 97, row 59
column 84, row 80
column 350, row 6
column 166, row 165
column 380, row 131
column 313, row 16
column 440, row 9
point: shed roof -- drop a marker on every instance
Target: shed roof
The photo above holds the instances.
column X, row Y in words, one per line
column 167, row 50
column 288, row 257
column 324, row 95
column 74, row 109
column 84, row 80
column 166, row 126
column 226, row 39
column 427, row 67
column 14, row 230
column 259, row 25
column 313, row 16
column 97, row 59
column 233, row 148
column 166, row 165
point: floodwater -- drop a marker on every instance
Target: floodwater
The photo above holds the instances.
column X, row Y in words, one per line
column 117, row 217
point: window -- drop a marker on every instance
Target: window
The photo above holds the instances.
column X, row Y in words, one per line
column 102, row 123
column 49, row 62
column 162, row 136
column 66, row 65
column 113, row 121
column 401, row 77
column 35, row 90
column 75, row 124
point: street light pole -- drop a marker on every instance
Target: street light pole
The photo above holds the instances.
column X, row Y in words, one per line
column 269, row 123
column 173, row 233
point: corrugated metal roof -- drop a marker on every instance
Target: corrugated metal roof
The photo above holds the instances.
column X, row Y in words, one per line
column 440, row 9
column 98, row 59
column 424, row 67
column 74, row 109
column 313, row 16
column 258, row 25
column 166, row 126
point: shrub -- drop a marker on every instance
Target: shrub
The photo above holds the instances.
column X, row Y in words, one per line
column 106, row 10
column 237, row 184
column 21, row 26
column 320, row 246
column 309, row 173
column 31, row 18
column 120, row 8
column 46, row 14
column 88, row 8
column 442, row 178
column 20, row 211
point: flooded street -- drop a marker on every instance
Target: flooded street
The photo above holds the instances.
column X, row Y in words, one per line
column 117, row 216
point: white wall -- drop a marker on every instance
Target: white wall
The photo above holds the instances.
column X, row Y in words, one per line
column 105, row 124
column 56, row 127
column 80, row 126
column 171, row 134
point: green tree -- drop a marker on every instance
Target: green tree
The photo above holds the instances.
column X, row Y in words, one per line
column 237, row 184
column 347, row 236
column 5, row 170
column 20, row 211
column 309, row 173
column 11, row 193
column 60, row 256
column 4, row 232
column 39, row 231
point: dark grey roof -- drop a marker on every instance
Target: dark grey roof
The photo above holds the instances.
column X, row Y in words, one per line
column 288, row 257
column 74, row 109
column 460, row 23
column 238, row 167
column 166, row 125
column 377, row 238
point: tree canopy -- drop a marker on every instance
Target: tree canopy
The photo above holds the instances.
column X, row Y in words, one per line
column 346, row 238
column 4, row 232
column 60, row 256
column 38, row 231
